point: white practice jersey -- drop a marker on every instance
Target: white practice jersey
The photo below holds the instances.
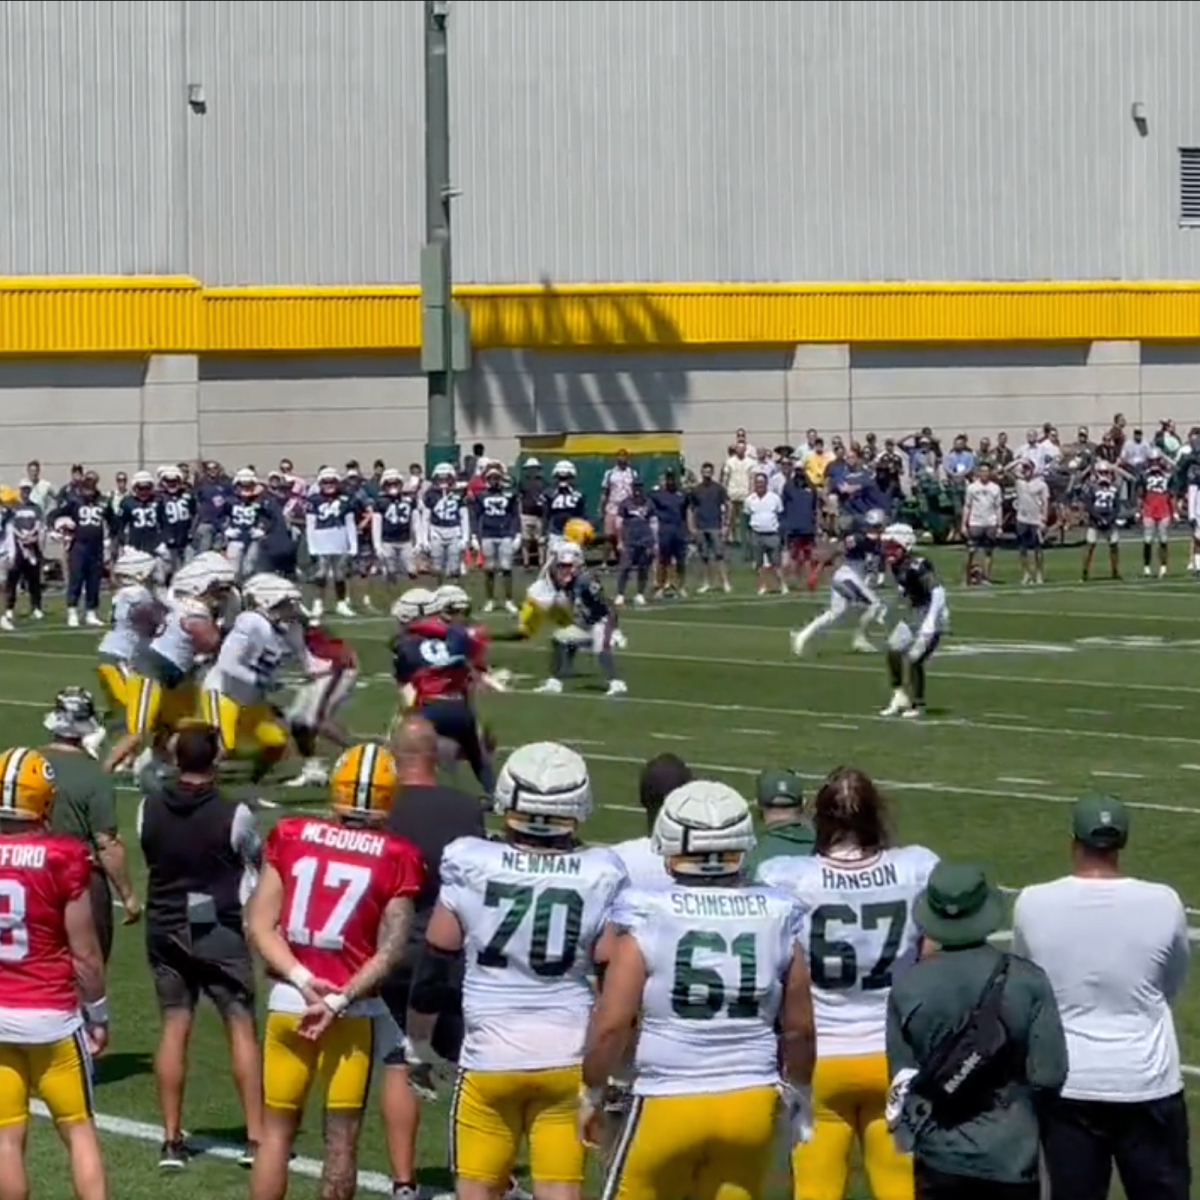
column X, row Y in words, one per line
column 643, row 865
column 716, row 959
column 247, row 667
column 859, row 934
column 122, row 641
column 529, row 923
column 172, row 641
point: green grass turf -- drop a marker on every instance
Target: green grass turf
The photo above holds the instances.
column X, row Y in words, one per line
column 1036, row 696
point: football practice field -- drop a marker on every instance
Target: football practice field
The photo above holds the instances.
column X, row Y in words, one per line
column 1035, row 696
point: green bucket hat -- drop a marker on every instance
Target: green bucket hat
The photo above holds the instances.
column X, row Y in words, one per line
column 958, row 906
column 779, row 788
column 1100, row 822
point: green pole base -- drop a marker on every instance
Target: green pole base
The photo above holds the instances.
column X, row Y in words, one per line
column 443, row 452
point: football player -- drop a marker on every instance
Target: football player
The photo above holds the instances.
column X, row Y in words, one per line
column 333, row 670
column 544, row 601
column 176, row 632
column 1187, row 465
column 53, row 1012
column 593, row 623
column 238, row 686
column 527, row 913
column 1100, row 501
column 435, row 664
column 127, row 634
column 23, row 526
column 330, row 918
column 563, row 502
column 857, row 893
column 850, row 587
column 177, row 507
column 81, row 519
column 1158, row 507
column 332, row 535
column 245, row 522
column 446, row 523
column 914, row 639
column 498, row 520
column 393, row 534
column 138, row 522
column 709, row 971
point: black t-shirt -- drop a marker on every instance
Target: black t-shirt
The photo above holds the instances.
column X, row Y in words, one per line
column 431, row 817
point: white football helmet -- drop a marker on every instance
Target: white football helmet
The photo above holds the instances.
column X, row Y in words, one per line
column 416, row 603
column 452, row 599
column 543, row 790
column 901, row 535
column 134, row 566
column 444, row 471
column 275, row 597
column 191, row 582
column 704, row 829
column 564, row 469
column 569, row 555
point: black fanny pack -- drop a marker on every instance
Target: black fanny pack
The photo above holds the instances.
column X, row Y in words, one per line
column 961, row 1076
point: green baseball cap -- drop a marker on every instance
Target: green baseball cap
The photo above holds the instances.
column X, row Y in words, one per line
column 779, row 788
column 1100, row 822
column 958, row 906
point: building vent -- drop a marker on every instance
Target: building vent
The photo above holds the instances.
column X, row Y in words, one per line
column 1189, row 186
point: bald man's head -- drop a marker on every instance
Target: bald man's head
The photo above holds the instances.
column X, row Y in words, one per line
column 415, row 745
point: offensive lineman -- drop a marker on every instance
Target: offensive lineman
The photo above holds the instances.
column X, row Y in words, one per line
column 53, row 1012
column 527, row 913
column 857, row 893
column 329, row 918
column 123, row 640
column 920, row 586
column 710, row 969
column 850, row 587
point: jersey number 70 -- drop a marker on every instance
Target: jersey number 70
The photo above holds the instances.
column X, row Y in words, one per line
column 544, row 907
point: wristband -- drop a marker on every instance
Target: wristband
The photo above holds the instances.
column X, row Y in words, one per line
column 97, row 1012
column 336, row 1003
column 300, row 977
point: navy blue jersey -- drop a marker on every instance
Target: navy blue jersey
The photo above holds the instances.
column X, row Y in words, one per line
column 25, row 520
column 178, row 513
column 563, row 504
column 1100, row 504
column 862, row 552
column 431, row 647
column 139, row 525
column 497, row 514
column 917, row 581
column 670, row 508
column 243, row 517
column 89, row 515
column 330, row 512
column 445, row 509
column 1191, row 469
column 636, row 529
column 395, row 519
column 588, row 604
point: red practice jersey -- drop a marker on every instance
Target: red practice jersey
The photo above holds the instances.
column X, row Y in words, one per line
column 40, row 874
column 337, row 880
column 442, row 658
column 323, row 645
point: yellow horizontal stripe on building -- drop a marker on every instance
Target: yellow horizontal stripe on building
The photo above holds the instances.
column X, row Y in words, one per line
column 147, row 315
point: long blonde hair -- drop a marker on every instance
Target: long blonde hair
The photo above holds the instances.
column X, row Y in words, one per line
column 850, row 810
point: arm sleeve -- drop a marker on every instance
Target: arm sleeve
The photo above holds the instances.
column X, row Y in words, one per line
column 1175, row 972
column 244, row 836
column 900, row 1056
column 455, row 887
column 1046, row 1055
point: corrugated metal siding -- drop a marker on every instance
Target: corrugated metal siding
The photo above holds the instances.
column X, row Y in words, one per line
column 608, row 141
column 91, row 101
column 308, row 167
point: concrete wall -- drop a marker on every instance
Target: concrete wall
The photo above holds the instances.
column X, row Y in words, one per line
column 119, row 413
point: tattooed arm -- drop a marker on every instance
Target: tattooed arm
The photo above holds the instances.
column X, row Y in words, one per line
column 389, row 945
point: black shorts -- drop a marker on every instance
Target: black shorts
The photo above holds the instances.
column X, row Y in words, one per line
column 447, row 1031
column 981, row 538
column 208, row 960
column 454, row 720
column 1029, row 537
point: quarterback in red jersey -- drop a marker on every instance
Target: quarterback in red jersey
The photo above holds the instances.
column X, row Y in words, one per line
column 330, row 918
column 312, row 714
column 53, row 1014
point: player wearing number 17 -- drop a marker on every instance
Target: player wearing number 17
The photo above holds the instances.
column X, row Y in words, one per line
column 50, row 969
column 857, row 893
column 711, row 965
column 527, row 912
column 329, row 917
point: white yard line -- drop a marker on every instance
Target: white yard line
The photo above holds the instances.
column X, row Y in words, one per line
column 1021, row 780
column 1117, row 775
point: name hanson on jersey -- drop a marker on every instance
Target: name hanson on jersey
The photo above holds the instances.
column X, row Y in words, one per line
column 356, row 840
column 686, row 904
column 541, row 864
column 22, row 856
column 883, row 875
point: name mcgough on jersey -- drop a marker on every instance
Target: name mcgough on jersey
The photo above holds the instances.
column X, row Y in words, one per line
column 715, row 958
column 529, row 922
column 859, row 934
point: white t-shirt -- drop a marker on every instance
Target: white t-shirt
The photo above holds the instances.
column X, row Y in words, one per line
column 982, row 505
column 737, row 476
column 764, row 512
column 1116, row 952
